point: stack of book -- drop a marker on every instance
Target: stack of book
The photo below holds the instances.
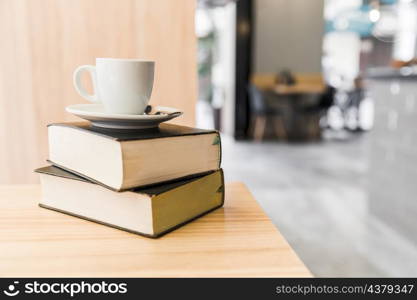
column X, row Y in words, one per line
column 147, row 182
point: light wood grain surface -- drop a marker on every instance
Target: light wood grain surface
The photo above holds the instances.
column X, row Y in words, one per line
column 43, row 41
column 237, row 240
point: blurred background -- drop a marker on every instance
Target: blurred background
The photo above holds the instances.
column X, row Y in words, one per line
column 315, row 100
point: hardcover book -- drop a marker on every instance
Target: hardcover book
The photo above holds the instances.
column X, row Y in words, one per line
column 125, row 160
column 150, row 211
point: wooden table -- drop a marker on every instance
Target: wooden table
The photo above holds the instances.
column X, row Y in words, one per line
column 300, row 88
column 238, row 240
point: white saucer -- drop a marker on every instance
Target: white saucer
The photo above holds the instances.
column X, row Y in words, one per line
column 99, row 118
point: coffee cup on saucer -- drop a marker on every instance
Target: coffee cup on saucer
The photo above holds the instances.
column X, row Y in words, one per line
column 122, row 86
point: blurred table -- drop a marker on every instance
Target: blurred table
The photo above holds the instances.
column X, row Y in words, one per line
column 300, row 88
column 238, row 240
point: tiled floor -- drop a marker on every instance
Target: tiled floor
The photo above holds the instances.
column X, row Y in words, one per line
column 318, row 196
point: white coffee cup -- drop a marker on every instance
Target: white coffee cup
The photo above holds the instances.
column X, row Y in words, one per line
column 123, row 86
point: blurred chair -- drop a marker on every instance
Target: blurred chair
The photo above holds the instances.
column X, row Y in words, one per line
column 311, row 114
column 262, row 107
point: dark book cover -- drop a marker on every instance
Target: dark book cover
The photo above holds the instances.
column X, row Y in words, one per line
column 153, row 191
column 164, row 130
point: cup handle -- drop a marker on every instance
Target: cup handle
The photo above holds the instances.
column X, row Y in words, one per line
column 78, row 85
